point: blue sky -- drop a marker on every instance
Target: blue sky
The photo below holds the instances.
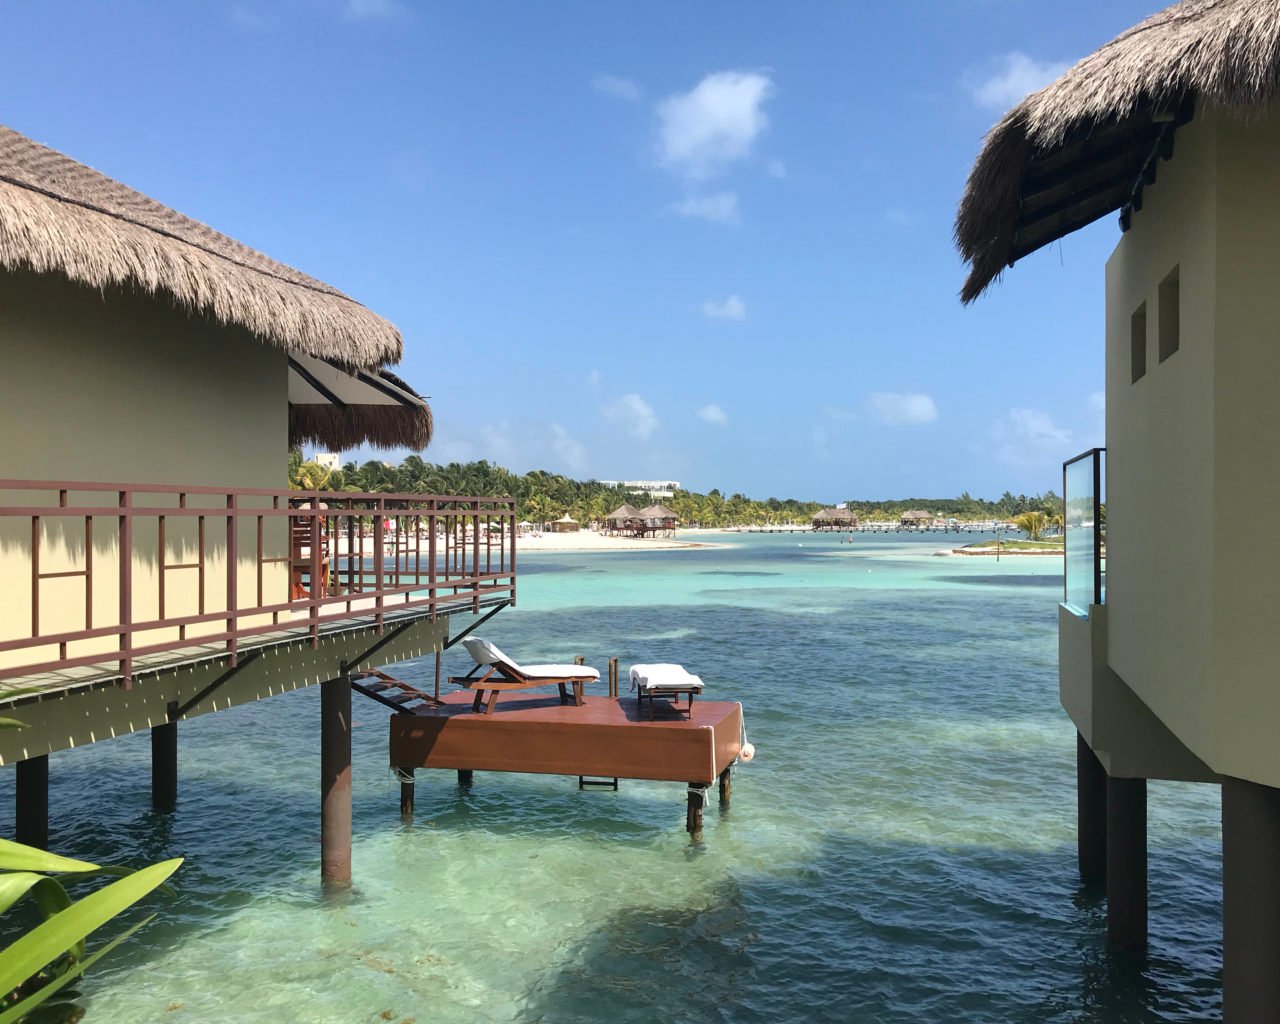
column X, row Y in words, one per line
column 709, row 242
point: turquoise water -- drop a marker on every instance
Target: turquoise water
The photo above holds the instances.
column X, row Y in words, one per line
column 901, row 849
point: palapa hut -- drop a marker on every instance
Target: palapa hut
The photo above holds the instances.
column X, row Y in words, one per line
column 915, row 519
column 621, row 517
column 1169, row 671
column 658, row 519
column 565, row 524
column 835, row 519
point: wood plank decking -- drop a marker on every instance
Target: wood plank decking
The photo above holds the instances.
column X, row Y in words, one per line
column 606, row 738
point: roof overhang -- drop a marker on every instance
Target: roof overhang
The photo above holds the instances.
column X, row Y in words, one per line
column 342, row 409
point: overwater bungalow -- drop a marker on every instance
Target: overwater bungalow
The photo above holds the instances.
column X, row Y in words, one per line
column 915, row 519
column 622, row 518
column 658, row 520
column 156, row 567
column 1168, row 651
column 835, row 519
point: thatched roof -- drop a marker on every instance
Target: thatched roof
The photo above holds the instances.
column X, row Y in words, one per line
column 658, row 511
column 385, row 425
column 916, row 514
column 1087, row 144
column 624, row 512
column 59, row 216
column 842, row 515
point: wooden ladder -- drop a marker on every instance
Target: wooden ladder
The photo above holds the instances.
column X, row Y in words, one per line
column 394, row 693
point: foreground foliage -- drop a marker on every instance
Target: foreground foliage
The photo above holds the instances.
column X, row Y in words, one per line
column 42, row 962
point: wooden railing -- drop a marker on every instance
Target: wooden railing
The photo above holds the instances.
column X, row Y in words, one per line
column 104, row 574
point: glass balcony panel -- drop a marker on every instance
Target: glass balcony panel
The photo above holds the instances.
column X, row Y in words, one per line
column 1085, row 529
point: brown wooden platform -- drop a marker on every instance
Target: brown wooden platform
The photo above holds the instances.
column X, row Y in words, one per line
column 605, row 738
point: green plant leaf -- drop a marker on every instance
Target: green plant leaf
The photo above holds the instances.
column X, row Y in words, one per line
column 16, row 1012
column 12, row 723
column 114, row 871
column 16, row 857
column 47, row 892
column 46, row 942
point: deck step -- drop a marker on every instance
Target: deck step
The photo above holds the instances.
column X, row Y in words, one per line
column 587, row 782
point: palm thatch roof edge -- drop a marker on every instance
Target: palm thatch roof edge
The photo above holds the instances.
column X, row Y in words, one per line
column 1086, row 144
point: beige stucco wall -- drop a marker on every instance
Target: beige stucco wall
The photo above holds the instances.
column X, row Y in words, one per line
column 120, row 388
column 1192, row 569
column 1160, row 448
column 1246, row 431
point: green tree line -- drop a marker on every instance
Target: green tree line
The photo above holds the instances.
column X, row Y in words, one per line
column 542, row 496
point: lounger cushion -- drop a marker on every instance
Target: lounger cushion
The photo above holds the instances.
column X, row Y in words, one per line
column 559, row 672
column 663, row 677
column 486, row 653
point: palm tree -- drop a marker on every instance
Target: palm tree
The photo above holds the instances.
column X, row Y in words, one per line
column 1033, row 524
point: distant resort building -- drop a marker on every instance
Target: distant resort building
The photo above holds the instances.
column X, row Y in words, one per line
column 1168, row 644
column 915, row 519
column 565, row 524
column 652, row 489
column 835, row 519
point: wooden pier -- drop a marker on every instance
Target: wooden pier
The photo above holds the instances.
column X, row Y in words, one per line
column 606, row 738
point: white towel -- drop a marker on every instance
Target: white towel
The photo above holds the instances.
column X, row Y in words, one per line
column 648, row 678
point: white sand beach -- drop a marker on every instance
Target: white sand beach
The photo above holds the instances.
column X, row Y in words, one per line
column 588, row 540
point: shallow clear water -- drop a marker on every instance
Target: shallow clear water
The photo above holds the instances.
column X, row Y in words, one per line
column 901, row 849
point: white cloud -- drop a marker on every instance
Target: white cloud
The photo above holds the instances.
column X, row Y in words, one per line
column 1007, row 79
column 619, row 88
column 593, row 378
column 247, row 17
column 732, row 308
column 714, row 415
column 899, row 217
column 719, row 207
column 568, row 449
column 776, row 169
column 906, row 408
column 701, row 131
column 635, row 414
column 1029, row 437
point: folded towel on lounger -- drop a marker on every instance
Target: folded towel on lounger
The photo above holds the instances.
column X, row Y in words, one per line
column 655, row 678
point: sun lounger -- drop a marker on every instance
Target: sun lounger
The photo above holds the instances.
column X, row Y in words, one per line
column 506, row 674
column 664, row 681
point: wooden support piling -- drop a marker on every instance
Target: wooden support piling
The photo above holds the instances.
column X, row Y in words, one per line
column 613, row 678
column 164, row 766
column 1250, row 901
column 726, row 782
column 31, row 802
column 406, row 792
column 693, row 816
column 465, row 776
column 1127, row 862
column 335, row 779
column 1091, row 814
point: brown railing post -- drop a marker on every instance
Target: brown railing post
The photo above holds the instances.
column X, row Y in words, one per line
column 475, row 556
column 433, row 521
column 233, row 566
column 378, row 561
column 316, row 588
column 513, row 554
column 125, row 541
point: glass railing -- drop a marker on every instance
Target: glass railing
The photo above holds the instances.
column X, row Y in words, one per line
column 1084, row 578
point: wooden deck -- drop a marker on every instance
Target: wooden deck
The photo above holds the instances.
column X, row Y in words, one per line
column 607, row 738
